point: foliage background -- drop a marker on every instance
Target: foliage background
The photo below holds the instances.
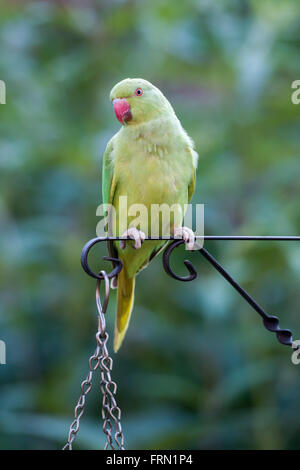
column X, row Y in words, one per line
column 197, row 369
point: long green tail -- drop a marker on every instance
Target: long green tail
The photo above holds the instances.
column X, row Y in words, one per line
column 125, row 300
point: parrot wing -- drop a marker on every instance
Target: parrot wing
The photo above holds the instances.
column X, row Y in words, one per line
column 192, row 186
column 109, row 187
column 108, row 174
column 125, row 294
column 194, row 156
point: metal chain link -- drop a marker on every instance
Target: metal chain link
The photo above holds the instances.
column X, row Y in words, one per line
column 111, row 413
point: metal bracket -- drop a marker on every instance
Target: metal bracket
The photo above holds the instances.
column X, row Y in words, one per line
column 270, row 322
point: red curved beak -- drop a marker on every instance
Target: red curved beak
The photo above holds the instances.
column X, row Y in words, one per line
column 122, row 110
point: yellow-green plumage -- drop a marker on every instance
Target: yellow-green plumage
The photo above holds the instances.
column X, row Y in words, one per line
column 151, row 160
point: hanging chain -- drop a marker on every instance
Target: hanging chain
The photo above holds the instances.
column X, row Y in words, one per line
column 111, row 413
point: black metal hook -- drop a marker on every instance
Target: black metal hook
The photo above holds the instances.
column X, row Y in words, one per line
column 117, row 263
column 271, row 323
column 188, row 264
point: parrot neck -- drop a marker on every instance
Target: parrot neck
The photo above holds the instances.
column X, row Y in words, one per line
column 157, row 136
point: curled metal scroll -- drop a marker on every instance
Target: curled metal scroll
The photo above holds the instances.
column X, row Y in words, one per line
column 188, row 264
column 270, row 322
column 117, row 263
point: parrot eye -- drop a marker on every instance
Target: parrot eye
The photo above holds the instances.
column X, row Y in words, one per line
column 138, row 92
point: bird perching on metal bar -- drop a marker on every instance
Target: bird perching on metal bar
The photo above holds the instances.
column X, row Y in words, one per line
column 151, row 161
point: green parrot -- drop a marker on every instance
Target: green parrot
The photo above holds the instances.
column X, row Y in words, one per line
column 151, row 160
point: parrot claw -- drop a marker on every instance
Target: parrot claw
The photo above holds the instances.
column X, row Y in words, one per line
column 187, row 236
column 137, row 235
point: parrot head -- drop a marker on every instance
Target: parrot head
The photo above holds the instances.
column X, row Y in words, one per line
column 137, row 101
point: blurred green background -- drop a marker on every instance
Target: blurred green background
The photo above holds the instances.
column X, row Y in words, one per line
column 197, row 369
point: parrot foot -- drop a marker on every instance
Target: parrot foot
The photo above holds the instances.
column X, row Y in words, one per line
column 137, row 235
column 187, row 235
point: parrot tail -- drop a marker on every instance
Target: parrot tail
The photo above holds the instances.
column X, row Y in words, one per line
column 125, row 298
